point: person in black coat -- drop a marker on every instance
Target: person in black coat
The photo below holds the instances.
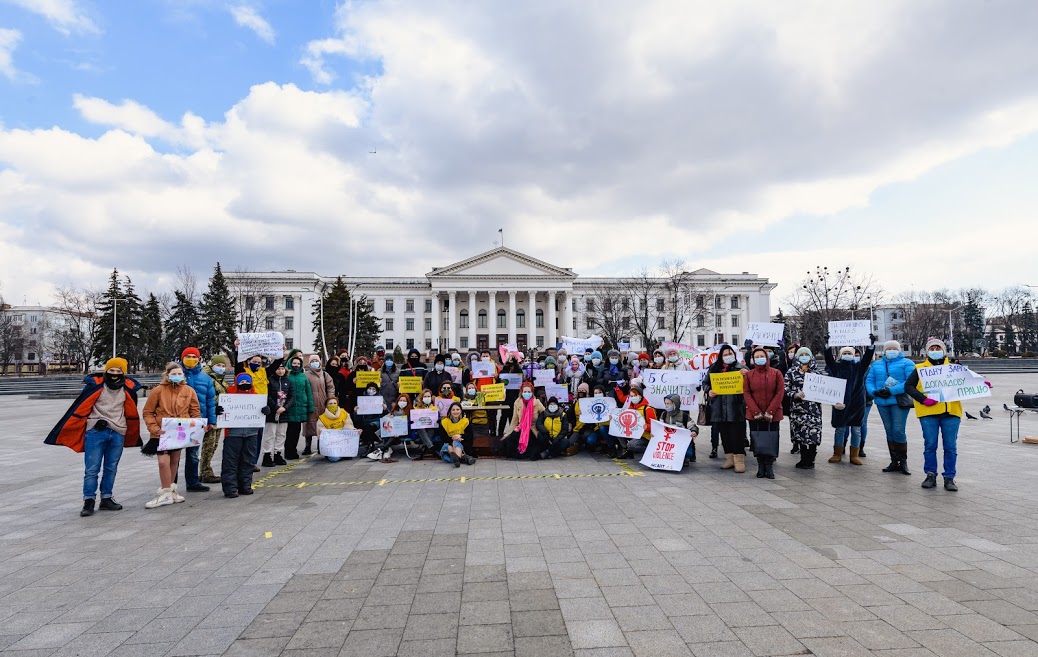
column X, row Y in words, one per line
column 848, row 416
column 439, row 374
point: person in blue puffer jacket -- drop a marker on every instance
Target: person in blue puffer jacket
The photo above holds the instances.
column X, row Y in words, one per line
column 885, row 381
column 204, row 388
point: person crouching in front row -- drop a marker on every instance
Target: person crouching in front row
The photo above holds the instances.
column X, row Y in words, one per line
column 333, row 417
column 456, row 430
column 239, row 447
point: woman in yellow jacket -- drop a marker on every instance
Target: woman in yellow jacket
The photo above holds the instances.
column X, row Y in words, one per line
column 333, row 417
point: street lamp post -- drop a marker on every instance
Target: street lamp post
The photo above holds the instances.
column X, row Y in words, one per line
column 951, row 328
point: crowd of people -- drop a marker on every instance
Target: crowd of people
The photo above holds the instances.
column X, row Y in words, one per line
column 305, row 395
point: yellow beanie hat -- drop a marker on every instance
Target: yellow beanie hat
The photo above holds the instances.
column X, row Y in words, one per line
column 117, row 362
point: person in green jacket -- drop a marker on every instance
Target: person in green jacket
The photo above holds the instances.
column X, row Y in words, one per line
column 301, row 408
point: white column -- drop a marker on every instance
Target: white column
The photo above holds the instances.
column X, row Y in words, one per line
column 551, row 340
column 452, row 318
column 435, row 319
column 473, row 319
column 512, row 322
column 531, row 321
column 492, row 319
column 567, row 314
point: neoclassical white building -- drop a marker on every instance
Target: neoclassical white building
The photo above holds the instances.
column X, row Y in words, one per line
column 501, row 296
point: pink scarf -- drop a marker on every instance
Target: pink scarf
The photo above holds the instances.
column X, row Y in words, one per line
column 525, row 424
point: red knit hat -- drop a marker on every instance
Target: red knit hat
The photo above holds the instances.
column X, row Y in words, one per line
column 643, row 356
column 526, row 384
column 190, row 351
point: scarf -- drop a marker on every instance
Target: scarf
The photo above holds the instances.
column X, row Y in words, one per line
column 525, row 424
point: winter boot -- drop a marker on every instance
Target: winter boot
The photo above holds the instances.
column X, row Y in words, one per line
column 769, row 467
column 88, row 507
column 729, row 462
column 895, row 465
column 812, row 453
column 268, row 461
column 931, row 480
column 760, row 467
column 796, row 449
column 740, row 462
column 949, row 484
column 713, row 453
column 109, row 504
column 837, row 454
column 279, row 459
column 455, row 460
column 805, row 454
column 903, row 461
column 306, row 450
column 854, row 458
column 470, row 460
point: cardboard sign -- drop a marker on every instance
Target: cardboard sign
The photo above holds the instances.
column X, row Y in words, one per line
column 623, row 346
column 340, row 443
column 242, row 411
column 851, row 333
column 824, row 389
column 410, row 384
column 443, row 404
column 557, row 390
column 455, row 373
column 512, row 381
column 507, row 350
column 425, row 418
column 394, row 425
column 666, row 450
column 483, row 370
column 543, row 378
column 726, row 383
column 659, row 384
column 579, row 346
column 270, row 344
column 366, row 377
column 596, row 410
column 952, row 382
column 765, row 334
column 178, row 433
column 627, row 423
column 494, row 392
column 370, row 405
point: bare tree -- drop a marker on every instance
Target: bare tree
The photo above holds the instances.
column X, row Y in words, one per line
column 827, row 295
column 1009, row 306
column 78, row 307
column 922, row 315
column 608, row 312
column 255, row 301
column 186, row 283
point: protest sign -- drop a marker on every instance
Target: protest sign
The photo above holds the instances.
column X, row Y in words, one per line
column 726, row 383
column 543, row 378
column 765, row 334
column 595, row 410
column 666, row 450
column 394, row 425
column 952, row 382
column 512, row 381
column 178, row 433
column 455, row 373
column 851, row 333
column 824, row 389
column 661, row 383
column 580, row 345
column 557, row 390
column 494, row 392
column 686, row 351
column 241, row 411
column 622, row 346
column 270, row 344
column 370, row 405
column 339, row 443
column 366, row 377
column 507, row 350
column 627, row 423
column 483, row 370
column 443, row 404
column 410, row 384
column 425, row 418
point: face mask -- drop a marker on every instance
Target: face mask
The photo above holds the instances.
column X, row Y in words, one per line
column 485, row 359
column 581, row 395
column 552, row 408
column 190, row 362
column 446, row 392
column 456, row 361
column 527, row 395
column 254, row 367
column 427, row 400
column 891, row 354
column 334, row 408
column 390, row 365
column 760, row 362
column 439, row 367
column 636, row 399
column 244, row 386
column 643, row 362
column 315, row 365
column 471, row 392
column 669, row 408
column 219, row 369
column 847, row 357
column 935, row 355
column 614, row 361
column 296, row 368
column 658, row 360
column 176, row 378
column 402, row 403
column 596, row 361
column 804, row 359
column 857, row 359
column 673, row 359
column 362, row 367
column 550, row 366
column 729, row 359
column 114, row 381
column 598, row 394
column 371, row 393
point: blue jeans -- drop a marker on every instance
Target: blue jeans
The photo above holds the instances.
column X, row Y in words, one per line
column 947, row 426
column 865, row 425
column 894, row 420
column 600, row 436
column 191, row 466
column 101, row 449
column 841, row 436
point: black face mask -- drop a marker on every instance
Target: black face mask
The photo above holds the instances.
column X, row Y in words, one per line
column 115, row 381
column 254, row 366
column 245, row 386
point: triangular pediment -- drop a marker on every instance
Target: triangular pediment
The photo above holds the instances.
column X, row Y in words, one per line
column 705, row 272
column 503, row 262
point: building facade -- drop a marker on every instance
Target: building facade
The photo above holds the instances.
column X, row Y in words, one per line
column 35, row 336
column 503, row 296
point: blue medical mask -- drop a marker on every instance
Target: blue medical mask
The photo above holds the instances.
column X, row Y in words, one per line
column 553, row 408
column 847, row 357
column 614, row 361
column 457, row 362
column 176, row 378
column 315, row 365
column 857, row 359
column 254, row 366
column 804, row 359
column 760, row 362
column 935, row 355
column 439, row 367
column 527, row 395
column 728, row 360
column 596, row 361
column 891, row 354
column 669, row 408
column 672, row 359
column 219, row 369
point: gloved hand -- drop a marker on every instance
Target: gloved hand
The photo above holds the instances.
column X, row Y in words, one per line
column 101, row 425
column 781, row 342
column 883, row 393
column 265, row 410
column 748, row 343
column 827, row 339
column 151, row 448
column 219, row 409
column 930, row 402
column 988, row 384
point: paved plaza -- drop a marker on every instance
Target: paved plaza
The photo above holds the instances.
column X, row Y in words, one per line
column 576, row 556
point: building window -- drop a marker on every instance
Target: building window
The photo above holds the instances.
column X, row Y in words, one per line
column 718, row 338
column 389, row 324
column 700, row 340
column 735, row 338
column 250, row 302
column 446, row 305
column 269, row 302
column 446, row 324
column 718, row 302
column 290, row 303
column 590, row 324
column 607, row 305
column 520, row 318
column 409, row 306
column 700, row 302
column 288, row 343
column 663, row 322
column 661, row 305
column 641, row 304
column 482, row 321
column 735, row 321
column 574, row 323
column 428, row 323
column 428, row 344
column 591, row 305
column 389, row 344
column 626, row 323
column 410, row 344
column 540, row 341
column 428, row 305
column 463, row 321
column 31, row 355
column 700, row 321
column 269, row 323
column 464, row 342
column 289, row 323
column 574, row 305
column 540, row 318
column 625, row 303
column 502, row 319
column 735, row 303
column 409, row 324
column 33, row 330
column 389, row 305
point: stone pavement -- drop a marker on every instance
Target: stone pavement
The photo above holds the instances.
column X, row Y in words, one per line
column 842, row 560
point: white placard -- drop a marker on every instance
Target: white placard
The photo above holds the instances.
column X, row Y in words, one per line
column 952, row 382
column 557, row 390
column 851, row 333
column 580, row 345
column 425, row 418
column 270, row 344
column 369, row 405
column 483, row 370
column 627, row 423
column 824, row 389
column 661, row 383
column 666, row 450
column 178, row 433
column 394, row 425
column 595, row 410
column 242, row 411
column 512, row 381
column 543, row 378
column 340, row 443
column 455, row 373
column 765, row 334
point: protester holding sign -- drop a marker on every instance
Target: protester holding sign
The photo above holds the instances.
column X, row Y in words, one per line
column 613, row 375
column 676, row 362
column 412, row 368
column 674, row 416
column 805, row 417
column 636, row 401
column 260, row 367
column 592, row 371
column 172, row 398
column 764, row 390
column 592, row 428
column 323, row 387
column 429, row 436
column 456, row 431
column 728, row 412
column 238, row 448
column 521, row 429
column 333, row 417
column 368, row 419
column 553, row 431
column 848, row 415
column 303, row 407
column 886, row 383
column 280, row 397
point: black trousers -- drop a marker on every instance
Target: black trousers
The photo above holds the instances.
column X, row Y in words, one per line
column 533, row 448
column 733, row 436
column 239, row 453
column 292, row 438
column 556, row 447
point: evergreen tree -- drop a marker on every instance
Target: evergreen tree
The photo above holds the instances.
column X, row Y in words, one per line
column 218, row 317
column 1028, row 328
column 101, row 339
column 182, row 326
column 780, row 318
column 131, row 315
column 337, row 318
column 153, row 353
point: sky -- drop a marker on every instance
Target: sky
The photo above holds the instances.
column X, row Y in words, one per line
column 897, row 137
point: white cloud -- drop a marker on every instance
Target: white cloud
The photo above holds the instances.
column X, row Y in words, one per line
column 8, row 42
column 66, row 16
column 248, row 17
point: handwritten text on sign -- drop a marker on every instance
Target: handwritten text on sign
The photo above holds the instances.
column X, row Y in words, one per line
column 410, row 384
column 370, row 405
column 580, row 345
column 850, row 333
column 270, row 344
column 242, row 411
column 726, row 383
column 666, row 450
column 659, row 384
column 824, row 389
column 364, row 378
column 764, row 333
column 952, row 382
column 494, row 392
column 340, row 443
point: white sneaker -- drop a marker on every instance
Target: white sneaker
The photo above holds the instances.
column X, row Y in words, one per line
column 177, row 497
column 164, row 499
column 389, row 452
column 375, row 455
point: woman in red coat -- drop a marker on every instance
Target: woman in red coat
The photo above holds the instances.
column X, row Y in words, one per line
column 763, row 390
